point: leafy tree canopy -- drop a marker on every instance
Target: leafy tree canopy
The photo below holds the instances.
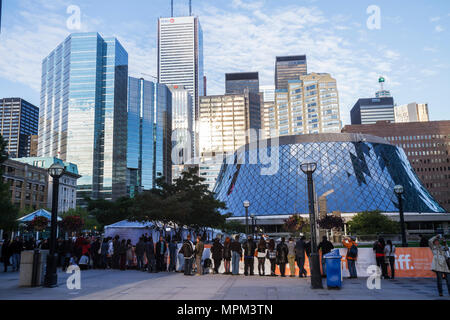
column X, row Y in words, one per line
column 8, row 212
column 373, row 222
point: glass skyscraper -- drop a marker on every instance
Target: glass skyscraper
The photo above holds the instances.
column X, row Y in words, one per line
column 18, row 122
column 180, row 57
column 83, row 115
column 236, row 83
column 149, row 135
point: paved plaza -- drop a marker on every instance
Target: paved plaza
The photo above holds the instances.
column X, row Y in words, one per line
column 135, row 285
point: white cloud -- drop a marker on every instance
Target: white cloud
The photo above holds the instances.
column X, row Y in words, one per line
column 439, row 29
column 435, row 19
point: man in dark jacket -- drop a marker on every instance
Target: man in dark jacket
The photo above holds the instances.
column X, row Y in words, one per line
column 236, row 255
column 217, row 254
column 173, row 255
column 6, row 254
column 326, row 247
column 95, row 249
column 300, row 256
column 249, row 256
column 16, row 248
column 282, row 256
column 150, row 254
column 140, row 251
column 161, row 249
column 188, row 253
column 115, row 255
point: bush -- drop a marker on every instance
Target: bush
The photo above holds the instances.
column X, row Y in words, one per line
column 373, row 222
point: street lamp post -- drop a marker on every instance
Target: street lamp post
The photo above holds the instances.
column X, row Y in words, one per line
column 51, row 277
column 398, row 189
column 309, row 167
column 246, row 206
column 253, row 224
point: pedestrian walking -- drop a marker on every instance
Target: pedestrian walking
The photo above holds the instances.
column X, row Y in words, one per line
column 291, row 256
column 249, row 256
column 325, row 247
column 380, row 257
column 262, row 254
column 272, row 256
column 300, row 256
column 217, row 255
column 440, row 263
column 389, row 252
column 352, row 255
column 227, row 255
column 282, row 256
column 199, row 248
column 188, row 252
column 236, row 250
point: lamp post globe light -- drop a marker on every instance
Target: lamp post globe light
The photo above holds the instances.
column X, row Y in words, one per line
column 51, row 278
column 309, row 167
column 246, row 206
column 399, row 190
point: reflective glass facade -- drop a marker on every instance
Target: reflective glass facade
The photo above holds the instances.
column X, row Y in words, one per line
column 289, row 68
column 369, row 111
column 237, row 83
column 149, row 134
column 359, row 171
column 83, row 115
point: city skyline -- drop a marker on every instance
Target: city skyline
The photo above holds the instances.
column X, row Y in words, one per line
column 338, row 43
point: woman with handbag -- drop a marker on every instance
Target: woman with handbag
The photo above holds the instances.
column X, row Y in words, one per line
column 440, row 262
column 261, row 252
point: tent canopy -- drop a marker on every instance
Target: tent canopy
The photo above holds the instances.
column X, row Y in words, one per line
column 38, row 213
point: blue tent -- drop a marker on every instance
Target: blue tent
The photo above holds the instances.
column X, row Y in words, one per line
column 39, row 213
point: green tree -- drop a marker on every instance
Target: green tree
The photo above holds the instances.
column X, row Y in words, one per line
column 296, row 225
column 233, row 227
column 90, row 221
column 373, row 222
column 108, row 212
column 8, row 211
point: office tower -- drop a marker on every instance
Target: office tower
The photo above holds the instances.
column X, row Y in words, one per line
column 180, row 56
column 205, row 86
column 427, row 146
column 412, row 112
column 309, row 105
column 67, row 198
column 149, row 135
column 236, row 83
column 33, row 143
column 83, row 116
column 19, row 120
column 289, row 68
column 371, row 110
column 224, row 122
column 267, row 108
column 182, row 129
column 382, row 93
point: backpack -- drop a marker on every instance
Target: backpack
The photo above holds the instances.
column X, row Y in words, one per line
column 353, row 252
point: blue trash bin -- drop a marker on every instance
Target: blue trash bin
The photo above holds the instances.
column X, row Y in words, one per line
column 334, row 272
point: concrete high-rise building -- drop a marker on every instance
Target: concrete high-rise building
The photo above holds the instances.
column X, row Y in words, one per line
column 182, row 129
column 180, row 56
column 371, row 110
column 267, row 108
column 427, row 146
column 412, row 112
column 236, row 83
column 309, row 105
column 83, row 114
column 268, row 93
column 224, row 124
column 19, row 120
column 34, row 143
column 289, row 68
column 149, row 135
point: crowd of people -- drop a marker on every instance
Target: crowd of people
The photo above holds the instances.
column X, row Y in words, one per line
column 146, row 255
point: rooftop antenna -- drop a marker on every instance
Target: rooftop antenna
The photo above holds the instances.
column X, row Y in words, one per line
column 171, row 8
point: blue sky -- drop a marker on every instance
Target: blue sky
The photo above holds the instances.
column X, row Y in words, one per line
column 411, row 49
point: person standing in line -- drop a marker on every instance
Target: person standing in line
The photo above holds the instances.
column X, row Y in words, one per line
column 352, row 255
column 104, row 253
column 110, row 254
column 161, row 248
column 199, row 248
column 150, row 254
column 380, row 257
column 423, row 241
column 262, row 253
column 249, row 256
column 217, row 254
column 291, row 256
column 236, row 250
column 300, row 256
column 140, row 251
column 227, row 255
column 123, row 255
column 325, row 246
column 129, row 254
column 6, row 254
column 16, row 248
column 173, row 255
column 115, row 254
column 389, row 252
column 282, row 256
column 96, row 253
column 272, row 256
column 440, row 263
column 188, row 252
